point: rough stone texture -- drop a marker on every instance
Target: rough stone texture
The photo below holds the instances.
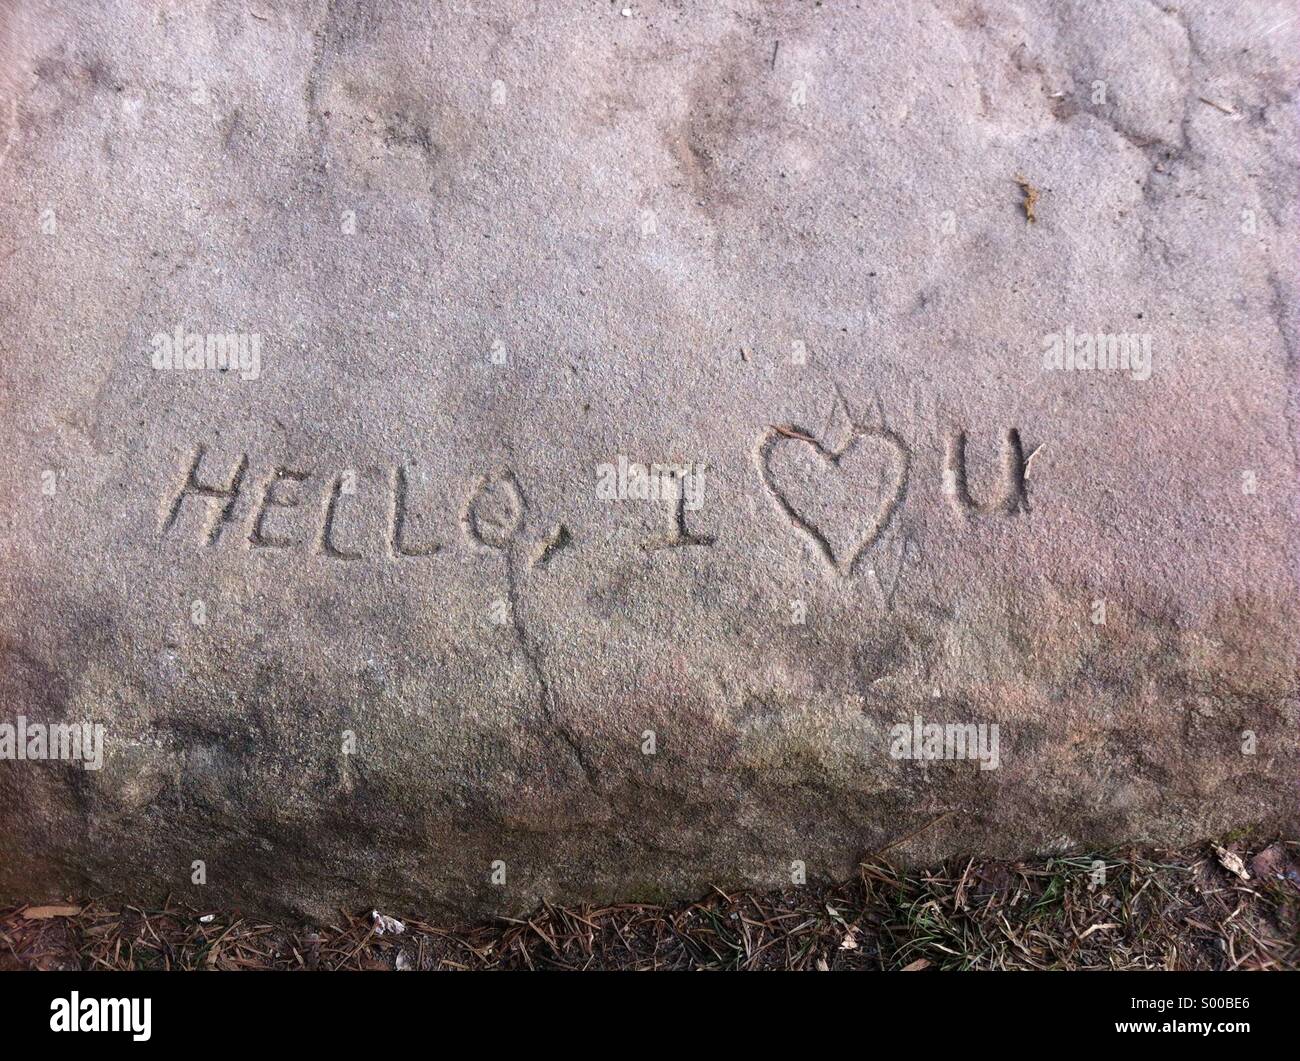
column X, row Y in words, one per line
column 644, row 214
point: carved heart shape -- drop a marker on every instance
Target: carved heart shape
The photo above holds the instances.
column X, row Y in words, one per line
column 844, row 498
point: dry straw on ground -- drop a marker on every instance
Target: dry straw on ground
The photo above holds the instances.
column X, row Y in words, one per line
column 1188, row 910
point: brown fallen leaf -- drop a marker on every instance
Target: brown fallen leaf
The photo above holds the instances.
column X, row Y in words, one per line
column 917, row 966
column 1231, row 861
column 1030, row 203
column 41, row 913
column 1274, row 863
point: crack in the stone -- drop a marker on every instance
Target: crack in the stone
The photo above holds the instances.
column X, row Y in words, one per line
column 311, row 88
column 533, row 654
column 1278, row 309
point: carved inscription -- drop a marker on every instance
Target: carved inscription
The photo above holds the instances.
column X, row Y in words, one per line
column 679, row 535
column 277, row 493
column 193, row 486
column 1013, row 498
column 558, row 539
column 844, row 499
column 326, row 544
column 875, row 513
column 397, row 542
column 494, row 511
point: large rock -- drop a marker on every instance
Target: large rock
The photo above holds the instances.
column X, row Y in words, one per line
column 368, row 618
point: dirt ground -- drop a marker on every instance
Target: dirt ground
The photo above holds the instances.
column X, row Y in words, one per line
column 1230, row 906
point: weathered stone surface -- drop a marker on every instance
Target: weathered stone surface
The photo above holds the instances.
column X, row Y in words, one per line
column 485, row 253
